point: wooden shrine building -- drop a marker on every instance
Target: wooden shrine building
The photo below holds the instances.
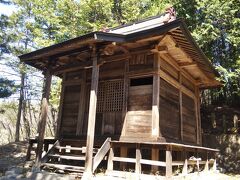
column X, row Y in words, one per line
column 133, row 92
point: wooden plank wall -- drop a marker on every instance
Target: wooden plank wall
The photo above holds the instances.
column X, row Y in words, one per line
column 139, row 102
column 70, row 109
column 177, row 109
column 139, row 111
column 189, row 119
column 132, row 116
column 109, row 99
column 169, row 111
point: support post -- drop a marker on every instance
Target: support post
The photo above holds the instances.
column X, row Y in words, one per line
column 155, row 98
column 92, row 116
column 123, row 153
column 169, row 162
column 180, row 107
column 44, row 115
column 155, row 157
column 185, row 166
column 214, row 167
column 199, row 116
column 125, row 102
column 138, row 159
column 206, row 168
column 110, row 160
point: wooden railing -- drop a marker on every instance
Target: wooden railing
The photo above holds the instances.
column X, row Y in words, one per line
column 45, row 157
column 101, row 153
column 167, row 164
column 33, row 141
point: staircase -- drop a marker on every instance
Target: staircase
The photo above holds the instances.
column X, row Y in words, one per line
column 69, row 156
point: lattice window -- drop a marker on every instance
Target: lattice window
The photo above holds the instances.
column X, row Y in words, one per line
column 100, row 97
column 114, row 96
column 110, row 96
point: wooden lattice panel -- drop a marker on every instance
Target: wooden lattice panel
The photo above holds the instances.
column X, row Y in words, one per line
column 114, row 96
column 100, row 97
column 110, row 96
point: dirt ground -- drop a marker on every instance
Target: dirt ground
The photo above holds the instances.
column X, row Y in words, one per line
column 13, row 166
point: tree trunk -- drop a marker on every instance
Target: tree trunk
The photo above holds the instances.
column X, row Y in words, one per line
column 20, row 107
column 25, row 120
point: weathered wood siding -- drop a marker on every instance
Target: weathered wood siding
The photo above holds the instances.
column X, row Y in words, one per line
column 125, row 101
column 169, row 111
column 138, row 121
column 189, row 119
column 110, row 97
column 70, row 110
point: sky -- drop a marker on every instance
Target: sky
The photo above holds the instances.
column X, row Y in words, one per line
column 6, row 9
column 4, row 70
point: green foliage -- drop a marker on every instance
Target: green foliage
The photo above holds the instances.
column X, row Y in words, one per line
column 217, row 33
column 7, row 87
column 55, row 93
column 213, row 23
column 3, row 40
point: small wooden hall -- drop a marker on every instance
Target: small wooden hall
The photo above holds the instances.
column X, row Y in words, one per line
column 129, row 100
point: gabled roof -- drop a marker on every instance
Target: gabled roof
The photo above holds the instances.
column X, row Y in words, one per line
column 134, row 32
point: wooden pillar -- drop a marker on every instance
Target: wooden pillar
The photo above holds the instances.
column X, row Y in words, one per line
column 199, row 116
column 185, row 166
column 196, row 115
column 92, row 116
column 44, row 115
column 123, row 153
column 206, row 168
column 155, row 97
column 155, row 157
column 125, row 100
column 169, row 162
column 180, row 107
column 138, row 159
column 110, row 160
column 214, row 167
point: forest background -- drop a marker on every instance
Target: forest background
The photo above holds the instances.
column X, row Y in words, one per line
column 34, row 24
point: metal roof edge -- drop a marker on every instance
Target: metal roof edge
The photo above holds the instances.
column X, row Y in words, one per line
column 137, row 22
column 158, row 30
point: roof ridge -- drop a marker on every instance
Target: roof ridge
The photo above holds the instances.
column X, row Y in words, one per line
column 137, row 22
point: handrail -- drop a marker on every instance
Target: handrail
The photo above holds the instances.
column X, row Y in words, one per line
column 101, row 153
column 45, row 157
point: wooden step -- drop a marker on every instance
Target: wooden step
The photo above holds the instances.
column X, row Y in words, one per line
column 68, row 157
column 70, row 148
column 64, row 167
